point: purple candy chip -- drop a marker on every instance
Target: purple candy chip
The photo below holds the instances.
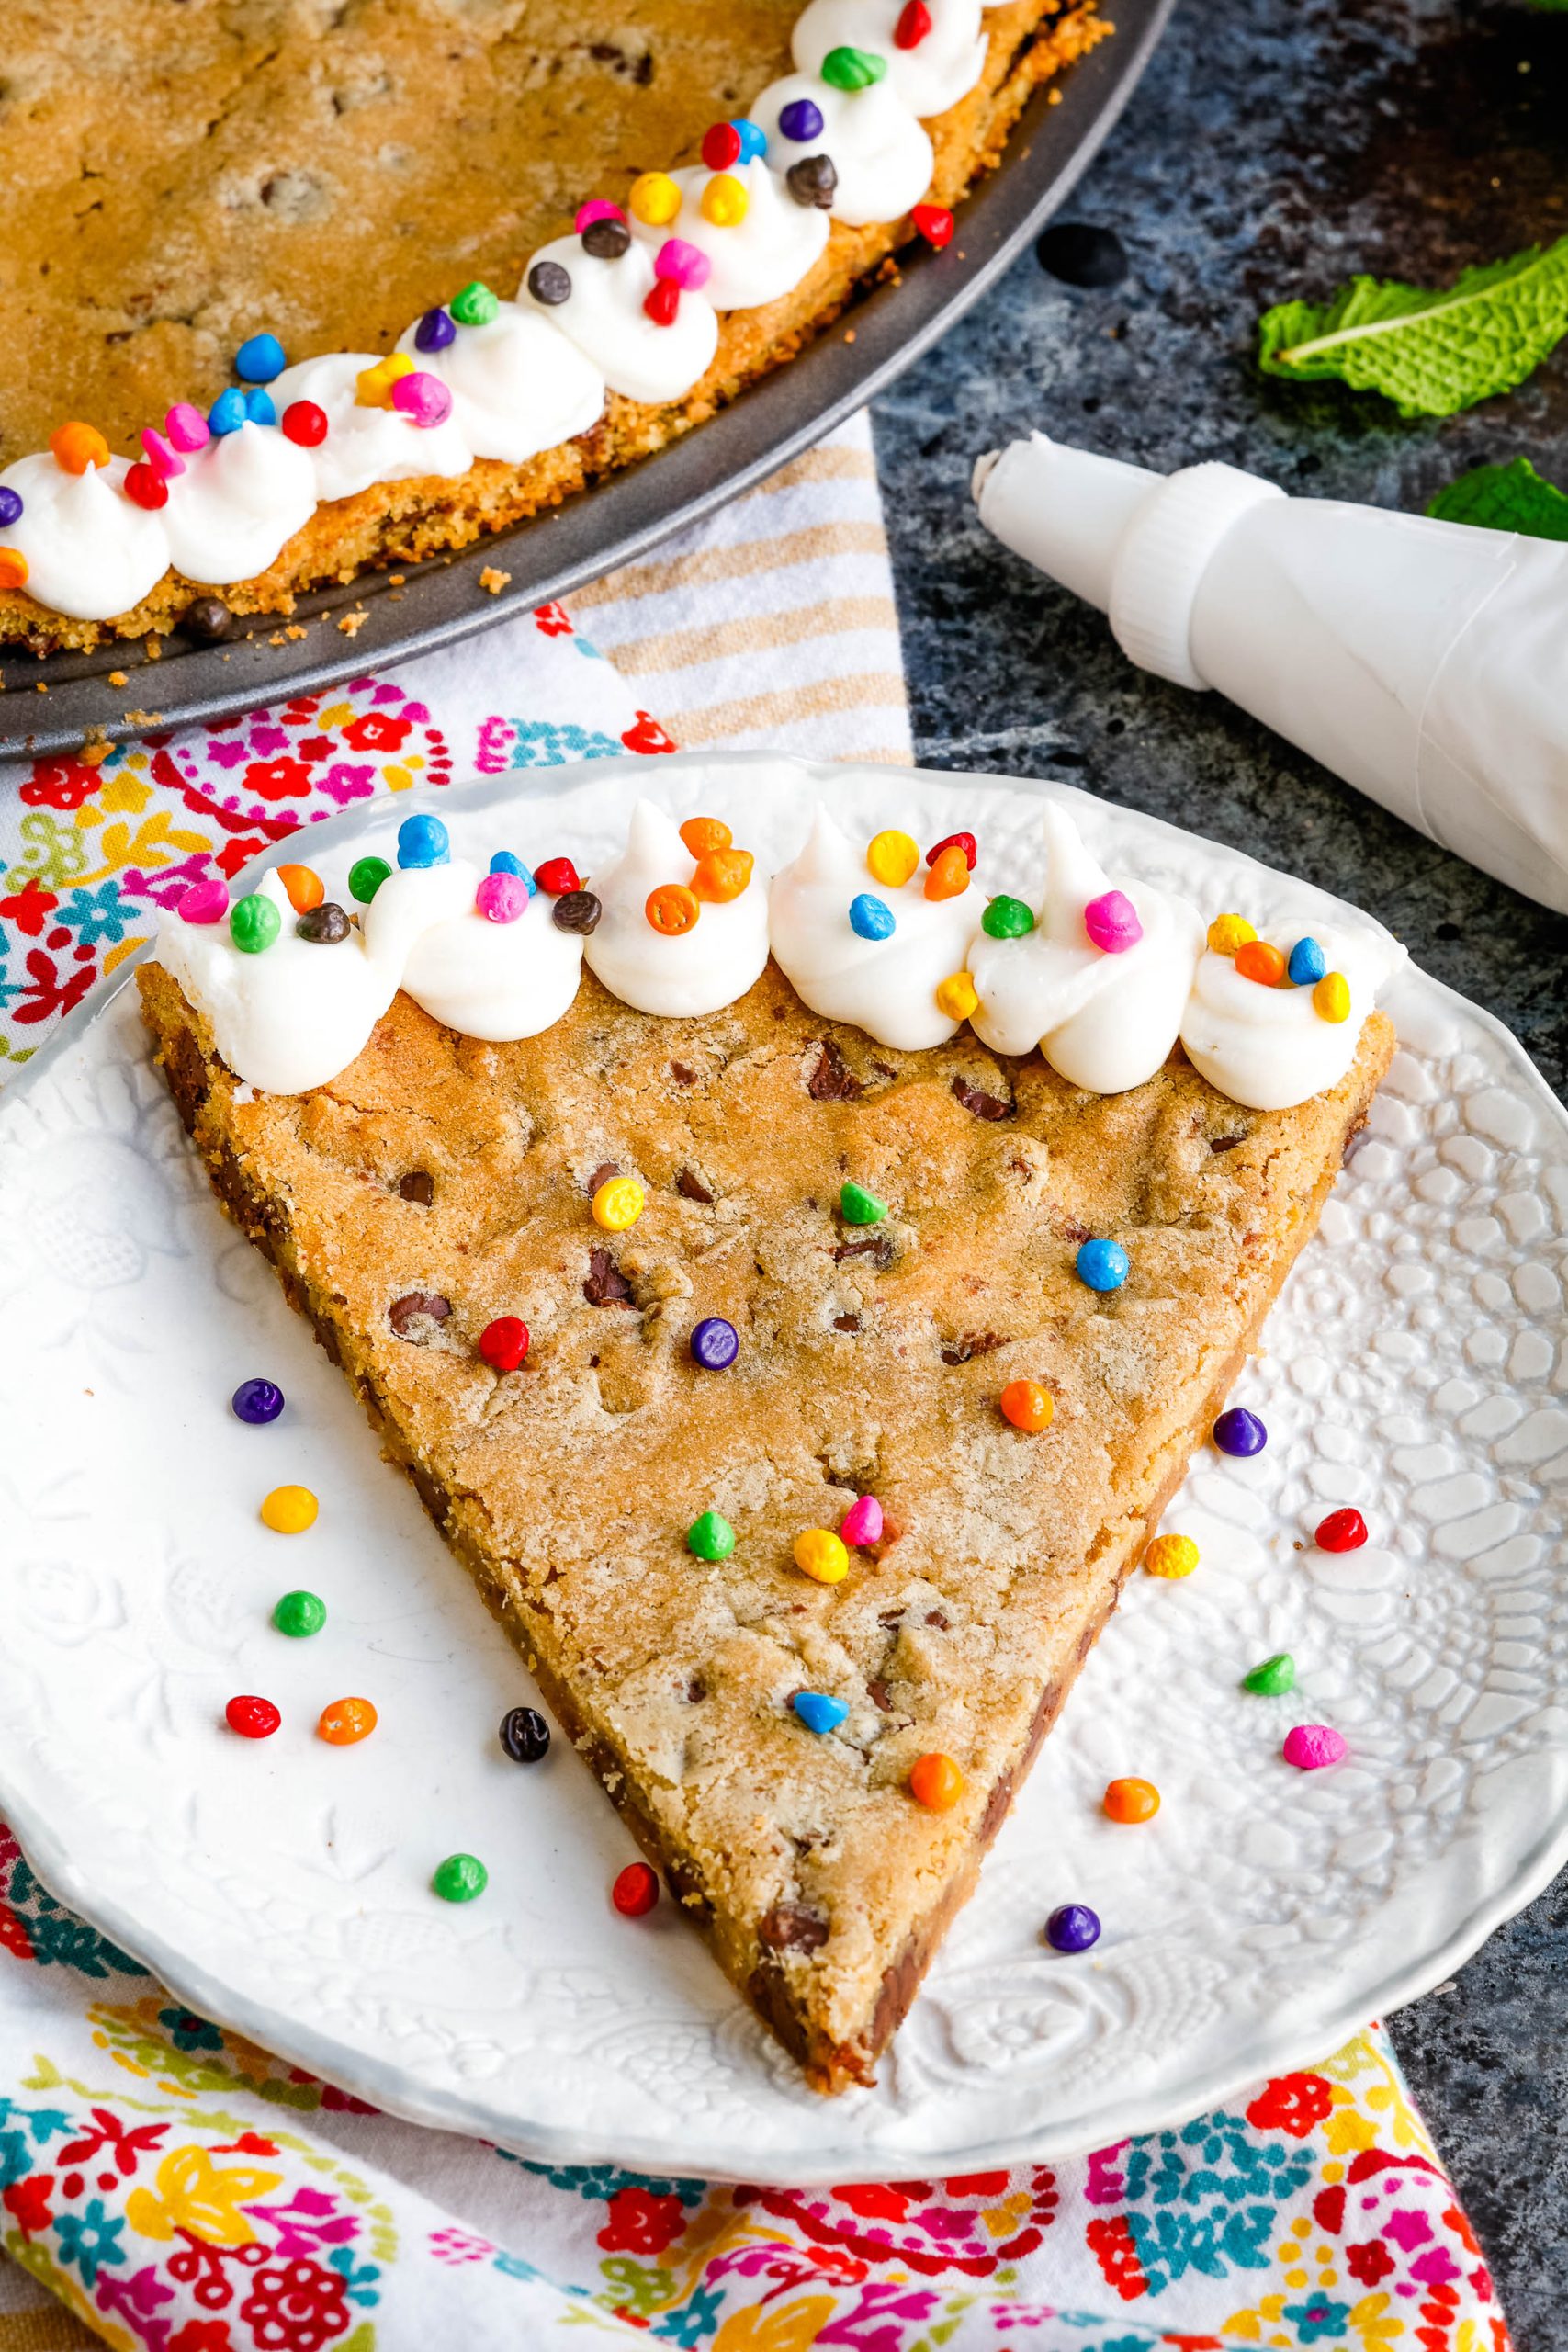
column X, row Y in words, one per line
column 434, row 332
column 1072, row 1927
column 10, row 507
column 801, row 120
column 1240, row 1431
column 257, row 1401
column 715, row 1344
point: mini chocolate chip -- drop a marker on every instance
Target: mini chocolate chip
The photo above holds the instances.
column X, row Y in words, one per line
column 831, row 1079
column 975, row 1100
column 970, row 1344
column 812, row 181
column 696, row 1688
column 934, row 1617
column 878, row 1247
column 790, row 1926
column 605, row 1173
column 577, row 910
column 880, row 1695
column 681, row 1075
column 607, row 239
column 525, row 1734
column 324, row 926
column 605, row 1285
column 405, row 1312
column 1080, row 253
column 846, row 1322
column 419, row 1186
column 207, row 620
column 549, row 283
column 1225, row 1143
column 692, row 1188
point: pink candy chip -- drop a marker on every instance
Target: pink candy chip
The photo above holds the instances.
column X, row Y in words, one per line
column 423, row 398
column 1111, row 922
column 501, row 898
column 596, row 208
column 685, row 264
column 186, row 427
column 1312, row 1746
column 862, row 1523
column 204, row 902
column 160, row 455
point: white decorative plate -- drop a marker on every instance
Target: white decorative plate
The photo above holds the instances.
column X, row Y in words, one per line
column 1415, row 1367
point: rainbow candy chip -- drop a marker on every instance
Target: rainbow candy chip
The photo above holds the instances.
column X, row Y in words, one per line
column 683, row 265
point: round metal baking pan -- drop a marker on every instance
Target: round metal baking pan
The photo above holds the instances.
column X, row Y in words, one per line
column 622, row 517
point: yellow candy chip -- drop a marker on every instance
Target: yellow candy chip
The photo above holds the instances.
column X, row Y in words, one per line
column 1227, row 932
column 892, row 858
column 655, row 199
column 289, row 1511
column 822, row 1554
column 1171, row 1555
column 617, row 1204
column 1331, row 998
column 957, row 997
column 725, row 201
column 373, row 385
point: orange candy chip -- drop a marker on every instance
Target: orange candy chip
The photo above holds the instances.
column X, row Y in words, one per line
column 1256, row 960
column 722, row 873
column 1027, row 1405
column 1130, row 1801
column 346, row 1721
column 12, row 567
column 671, row 908
column 75, row 447
column 305, row 889
column 935, row 1779
column 703, row 835
column 949, row 877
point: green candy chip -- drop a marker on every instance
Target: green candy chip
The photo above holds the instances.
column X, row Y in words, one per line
column 857, row 1206
column 366, row 876
column 1273, row 1678
column 852, row 69
column 299, row 1615
column 459, row 1878
column 475, row 306
column 711, row 1537
column 253, row 924
column 1006, row 919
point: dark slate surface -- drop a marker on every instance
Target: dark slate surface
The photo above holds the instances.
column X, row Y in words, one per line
column 1275, row 147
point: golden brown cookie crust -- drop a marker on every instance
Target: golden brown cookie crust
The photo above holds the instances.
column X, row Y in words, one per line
column 870, row 1360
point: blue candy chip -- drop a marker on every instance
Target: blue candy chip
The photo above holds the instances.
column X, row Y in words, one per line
column 259, row 408
column 818, row 1711
column 504, row 861
column 259, row 359
column 1102, row 1265
column 872, row 918
column 422, row 841
column 1307, row 965
column 227, row 412
column 753, row 141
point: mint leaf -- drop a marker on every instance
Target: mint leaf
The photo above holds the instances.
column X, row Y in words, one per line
column 1505, row 498
column 1430, row 354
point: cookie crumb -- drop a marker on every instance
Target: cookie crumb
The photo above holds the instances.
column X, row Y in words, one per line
column 295, row 631
column 144, row 718
column 493, row 582
column 351, row 623
column 153, row 647
column 118, row 678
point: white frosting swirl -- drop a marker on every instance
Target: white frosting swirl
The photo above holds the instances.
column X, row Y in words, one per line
column 237, row 502
column 365, row 444
column 694, row 971
column 604, row 317
column 760, row 257
column 91, row 551
column 1271, row 1047
column 886, row 987
column 518, row 385
column 1102, row 1021
column 930, row 77
column 498, row 981
column 882, row 154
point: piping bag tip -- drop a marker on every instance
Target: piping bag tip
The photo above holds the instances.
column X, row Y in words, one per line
column 1065, row 511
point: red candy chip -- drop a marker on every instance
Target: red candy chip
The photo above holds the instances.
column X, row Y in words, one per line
column 557, row 877
column 1342, row 1530
column 662, row 302
column 635, row 1890
column 935, row 224
column 251, row 1718
column 145, row 486
column 504, row 1342
column 913, row 26
column 965, row 842
column 721, row 147
column 306, row 424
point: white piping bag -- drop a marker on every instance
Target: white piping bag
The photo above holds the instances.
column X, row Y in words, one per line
column 1425, row 662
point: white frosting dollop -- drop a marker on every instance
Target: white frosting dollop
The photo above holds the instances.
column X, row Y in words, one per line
column 761, row 256
column 237, row 502
column 1271, row 1047
column 604, row 317
column 930, row 77
column 881, row 153
column 696, row 971
column 518, row 385
column 498, row 981
column 1103, row 1021
column 886, row 987
column 91, row 551
column 365, row 444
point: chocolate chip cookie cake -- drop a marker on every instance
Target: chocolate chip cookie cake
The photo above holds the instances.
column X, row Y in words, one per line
column 795, row 1298
column 295, row 289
